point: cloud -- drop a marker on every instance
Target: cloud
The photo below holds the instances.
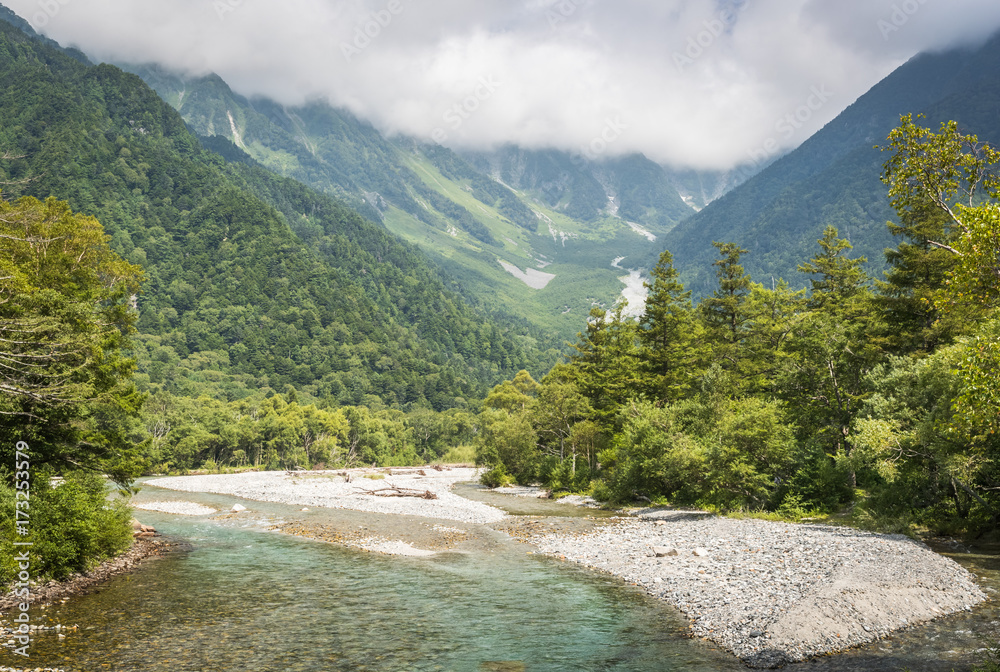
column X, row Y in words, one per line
column 693, row 83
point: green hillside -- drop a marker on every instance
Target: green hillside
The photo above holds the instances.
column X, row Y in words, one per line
column 252, row 281
column 472, row 221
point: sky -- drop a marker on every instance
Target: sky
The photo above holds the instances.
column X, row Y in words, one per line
column 703, row 84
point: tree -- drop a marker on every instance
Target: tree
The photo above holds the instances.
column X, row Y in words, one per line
column 67, row 310
column 830, row 351
column 559, row 408
column 723, row 312
column 746, row 324
column 606, row 359
column 949, row 171
column 836, row 277
column 953, row 173
column 667, row 334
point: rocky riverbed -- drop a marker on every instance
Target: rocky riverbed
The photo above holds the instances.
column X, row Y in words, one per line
column 773, row 593
column 422, row 492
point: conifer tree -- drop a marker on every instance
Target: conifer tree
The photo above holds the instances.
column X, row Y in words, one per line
column 667, row 334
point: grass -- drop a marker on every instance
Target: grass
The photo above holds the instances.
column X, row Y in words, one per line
column 465, row 454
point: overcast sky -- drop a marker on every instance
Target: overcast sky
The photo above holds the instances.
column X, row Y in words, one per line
column 690, row 83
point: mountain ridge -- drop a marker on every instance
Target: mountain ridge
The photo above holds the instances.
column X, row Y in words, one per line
column 833, row 177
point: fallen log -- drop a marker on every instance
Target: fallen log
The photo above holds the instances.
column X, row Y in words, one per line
column 401, row 492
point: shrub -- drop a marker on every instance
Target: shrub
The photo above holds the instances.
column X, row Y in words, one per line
column 74, row 526
column 496, row 477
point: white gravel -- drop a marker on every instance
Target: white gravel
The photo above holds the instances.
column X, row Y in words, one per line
column 776, row 592
column 181, row 508
column 332, row 490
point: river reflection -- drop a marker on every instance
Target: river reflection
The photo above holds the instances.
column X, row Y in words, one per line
column 246, row 599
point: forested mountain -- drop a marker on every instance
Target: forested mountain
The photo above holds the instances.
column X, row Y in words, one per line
column 252, row 280
column 833, row 178
column 539, row 243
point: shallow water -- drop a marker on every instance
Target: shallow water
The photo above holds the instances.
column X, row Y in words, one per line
column 246, row 599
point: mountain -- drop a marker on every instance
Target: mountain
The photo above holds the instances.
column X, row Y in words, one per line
column 833, row 177
column 544, row 243
column 253, row 281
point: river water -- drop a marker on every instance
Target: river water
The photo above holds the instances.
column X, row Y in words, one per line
column 242, row 598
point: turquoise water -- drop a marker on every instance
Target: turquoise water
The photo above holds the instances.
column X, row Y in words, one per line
column 245, row 599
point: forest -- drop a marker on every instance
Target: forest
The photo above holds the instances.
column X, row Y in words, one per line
column 164, row 310
column 877, row 397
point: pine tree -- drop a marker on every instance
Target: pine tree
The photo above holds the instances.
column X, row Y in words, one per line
column 667, row 334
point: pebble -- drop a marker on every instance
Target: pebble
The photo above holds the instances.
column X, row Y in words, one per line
column 333, row 489
column 774, row 593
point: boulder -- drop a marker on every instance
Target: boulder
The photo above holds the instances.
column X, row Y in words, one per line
column 701, row 552
column 663, row 551
column 237, row 508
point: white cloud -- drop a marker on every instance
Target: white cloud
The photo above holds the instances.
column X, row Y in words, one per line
column 699, row 83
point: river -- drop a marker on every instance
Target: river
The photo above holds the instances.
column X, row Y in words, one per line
column 243, row 598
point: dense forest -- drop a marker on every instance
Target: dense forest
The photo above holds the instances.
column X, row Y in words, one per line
column 875, row 394
column 215, row 313
column 252, row 281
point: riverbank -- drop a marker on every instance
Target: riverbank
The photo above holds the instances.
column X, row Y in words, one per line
column 424, row 492
column 82, row 583
column 774, row 593
column 770, row 593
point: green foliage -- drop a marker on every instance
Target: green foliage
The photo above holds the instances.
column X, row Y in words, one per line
column 253, row 281
column 764, row 400
column 74, row 526
column 977, row 406
column 606, row 359
column 65, row 324
column 668, row 334
column 496, row 477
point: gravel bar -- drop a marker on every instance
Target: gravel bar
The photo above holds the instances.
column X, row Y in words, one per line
column 350, row 489
column 179, row 508
column 774, row 593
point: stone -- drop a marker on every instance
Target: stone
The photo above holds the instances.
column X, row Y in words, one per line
column 237, row 508
column 663, row 551
column 701, row 552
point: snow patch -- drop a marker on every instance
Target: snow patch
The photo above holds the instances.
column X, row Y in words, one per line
column 531, row 277
column 237, row 140
column 563, row 235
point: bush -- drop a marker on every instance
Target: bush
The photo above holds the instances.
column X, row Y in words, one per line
column 496, row 477
column 74, row 526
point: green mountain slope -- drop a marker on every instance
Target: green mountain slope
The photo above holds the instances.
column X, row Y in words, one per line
column 833, row 178
column 512, row 249
column 253, row 281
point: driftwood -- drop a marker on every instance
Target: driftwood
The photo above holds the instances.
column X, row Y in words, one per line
column 401, row 492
